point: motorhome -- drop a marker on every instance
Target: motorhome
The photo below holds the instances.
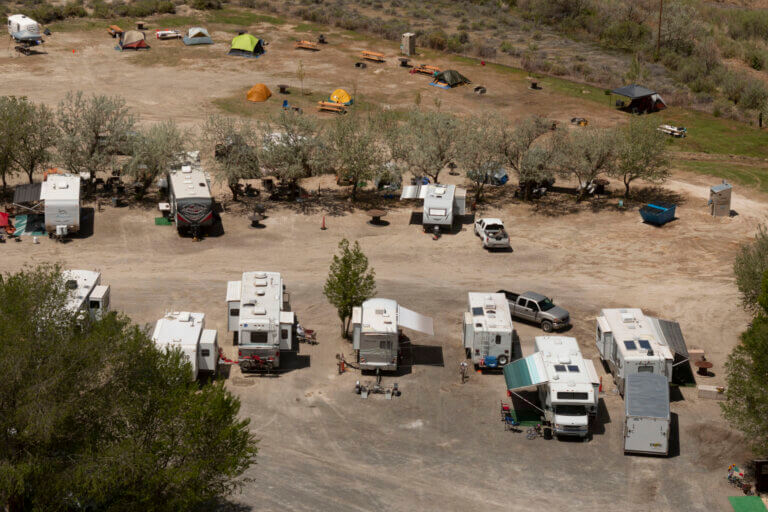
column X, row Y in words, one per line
column 488, row 331
column 567, row 384
column 60, row 194
column 442, row 203
column 629, row 342
column 259, row 313
column 376, row 332
column 186, row 331
column 85, row 293
column 23, row 28
column 646, row 414
column 189, row 195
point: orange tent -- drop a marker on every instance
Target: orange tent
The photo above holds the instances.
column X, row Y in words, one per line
column 259, row 92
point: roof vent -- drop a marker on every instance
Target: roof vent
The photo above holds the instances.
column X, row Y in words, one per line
column 261, row 293
column 184, row 317
column 564, row 359
column 260, row 282
column 71, row 284
column 260, row 275
column 186, row 168
column 627, row 318
column 259, row 311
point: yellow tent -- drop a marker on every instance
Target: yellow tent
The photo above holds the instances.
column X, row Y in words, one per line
column 259, row 92
column 341, row 96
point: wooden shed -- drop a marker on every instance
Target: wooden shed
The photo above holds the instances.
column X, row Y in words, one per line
column 720, row 200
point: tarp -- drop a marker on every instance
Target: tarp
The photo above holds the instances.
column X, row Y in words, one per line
column 258, row 93
column 246, row 45
column 526, row 372
column 27, row 193
column 747, row 503
column 415, row 321
column 341, row 96
column 197, row 35
column 647, row 396
column 633, row 91
column 451, row 77
column 133, row 40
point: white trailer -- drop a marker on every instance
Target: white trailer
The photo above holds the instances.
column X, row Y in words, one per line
column 567, row 384
column 23, row 28
column 189, row 195
column 376, row 332
column 629, row 343
column 85, row 293
column 259, row 313
column 488, row 330
column 60, row 194
column 186, row 331
column 442, row 203
column 646, row 414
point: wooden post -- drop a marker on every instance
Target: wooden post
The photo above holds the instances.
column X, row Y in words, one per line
column 658, row 36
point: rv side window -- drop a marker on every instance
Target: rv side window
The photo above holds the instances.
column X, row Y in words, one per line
column 234, row 312
column 205, row 352
column 645, row 368
column 498, row 339
column 571, row 395
column 94, row 304
column 385, row 344
column 258, row 337
column 284, row 333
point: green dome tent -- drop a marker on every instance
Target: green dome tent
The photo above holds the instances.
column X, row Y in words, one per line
column 451, row 77
column 246, row 45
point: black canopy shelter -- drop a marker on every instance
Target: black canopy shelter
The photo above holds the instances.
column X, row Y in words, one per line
column 641, row 99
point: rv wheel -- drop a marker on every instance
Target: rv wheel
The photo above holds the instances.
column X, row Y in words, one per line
column 502, row 360
column 546, row 326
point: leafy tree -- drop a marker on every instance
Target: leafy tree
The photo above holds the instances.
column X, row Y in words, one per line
column 95, row 416
column 350, row 282
column 355, row 151
column 91, row 131
column 478, row 141
column 291, row 149
column 585, row 154
column 10, row 121
column 746, row 404
column 430, row 142
column 235, row 146
column 519, row 145
column 641, row 153
column 155, row 150
column 749, row 266
column 36, row 137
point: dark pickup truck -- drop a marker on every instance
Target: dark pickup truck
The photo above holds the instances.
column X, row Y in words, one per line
column 535, row 307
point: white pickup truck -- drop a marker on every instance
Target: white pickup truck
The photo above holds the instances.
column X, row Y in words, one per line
column 491, row 231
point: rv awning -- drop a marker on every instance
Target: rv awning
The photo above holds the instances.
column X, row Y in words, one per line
column 414, row 192
column 27, row 193
column 414, row 321
column 633, row 91
column 671, row 333
column 525, row 372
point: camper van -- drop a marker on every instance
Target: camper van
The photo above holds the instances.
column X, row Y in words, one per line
column 187, row 332
column 629, row 342
column 189, row 195
column 442, row 203
column 567, row 384
column 259, row 313
column 85, row 293
column 22, row 28
column 488, row 331
column 376, row 332
column 60, row 194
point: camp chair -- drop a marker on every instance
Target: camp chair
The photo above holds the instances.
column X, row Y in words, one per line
column 114, row 30
column 307, row 45
column 507, row 417
column 374, row 56
column 330, row 106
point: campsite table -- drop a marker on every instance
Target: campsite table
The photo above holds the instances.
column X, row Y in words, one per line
column 404, row 62
column 255, row 219
column 703, row 366
column 376, row 216
column 283, row 88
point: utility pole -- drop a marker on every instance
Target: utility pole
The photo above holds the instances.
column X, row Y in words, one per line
column 658, row 36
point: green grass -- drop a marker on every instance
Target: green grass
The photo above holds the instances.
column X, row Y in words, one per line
column 82, row 24
column 242, row 18
column 743, row 174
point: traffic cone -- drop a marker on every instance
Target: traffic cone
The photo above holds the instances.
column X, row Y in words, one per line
column 323, row 225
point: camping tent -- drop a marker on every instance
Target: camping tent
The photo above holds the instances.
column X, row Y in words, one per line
column 259, row 92
column 246, row 45
column 451, row 77
column 341, row 96
column 197, row 35
column 133, row 40
column 641, row 98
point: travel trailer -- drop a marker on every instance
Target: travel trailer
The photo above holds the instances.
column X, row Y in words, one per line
column 567, row 384
column 442, row 203
column 376, row 331
column 186, row 331
column 629, row 342
column 60, row 194
column 85, row 293
column 259, row 313
column 488, row 331
column 189, row 196
column 646, row 414
column 22, row 28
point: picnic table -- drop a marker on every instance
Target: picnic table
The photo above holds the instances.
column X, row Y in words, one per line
column 374, row 56
column 376, row 216
column 426, row 69
column 307, row 45
column 331, row 106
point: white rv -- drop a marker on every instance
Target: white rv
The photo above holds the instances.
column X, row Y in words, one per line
column 442, row 203
column 60, row 194
column 567, row 384
column 630, row 343
column 85, row 292
column 189, row 195
column 23, row 28
column 488, row 330
column 376, row 332
column 259, row 313
column 646, row 414
column 187, row 332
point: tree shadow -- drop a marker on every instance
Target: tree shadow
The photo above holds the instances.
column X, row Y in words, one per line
column 222, row 505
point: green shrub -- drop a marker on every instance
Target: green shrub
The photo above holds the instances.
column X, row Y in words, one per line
column 437, row 40
column 205, row 5
column 754, row 96
column 626, row 35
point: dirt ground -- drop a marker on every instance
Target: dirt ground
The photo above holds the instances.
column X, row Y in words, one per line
column 440, row 446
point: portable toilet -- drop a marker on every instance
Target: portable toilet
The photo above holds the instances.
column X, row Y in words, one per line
column 408, row 44
column 720, row 200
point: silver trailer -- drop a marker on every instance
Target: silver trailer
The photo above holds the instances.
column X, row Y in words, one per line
column 488, row 331
column 189, row 195
column 442, row 203
column 646, row 414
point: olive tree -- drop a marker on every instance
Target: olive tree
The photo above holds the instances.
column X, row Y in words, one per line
column 350, row 282
column 235, row 146
column 641, row 153
column 429, row 142
column 749, row 267
column 10, row 123
column 477, row 141
column 92, row 130
column 584, row 154
column 355, row 150
column 521, row 148
column 154, row 150
column 35, row 138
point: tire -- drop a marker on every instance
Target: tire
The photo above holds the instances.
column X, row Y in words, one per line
column 546, row 326
column 503, row 360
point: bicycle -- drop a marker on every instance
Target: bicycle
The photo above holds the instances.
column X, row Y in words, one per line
column 534, row 432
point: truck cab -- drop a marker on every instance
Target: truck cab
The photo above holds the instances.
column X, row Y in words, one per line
column 537, row 308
